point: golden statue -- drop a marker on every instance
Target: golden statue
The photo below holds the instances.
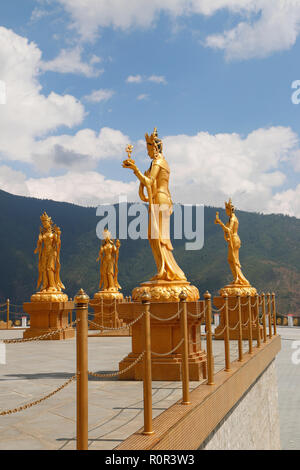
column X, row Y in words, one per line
column 156, row 182
column 48, row 249
column 108, row 257
column 240, row 284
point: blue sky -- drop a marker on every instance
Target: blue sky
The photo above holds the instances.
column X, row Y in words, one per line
column 213, row 75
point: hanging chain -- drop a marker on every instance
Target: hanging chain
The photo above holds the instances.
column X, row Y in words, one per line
column 115, row 374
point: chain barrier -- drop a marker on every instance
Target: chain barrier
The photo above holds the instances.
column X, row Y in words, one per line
column 37, row 338
column 128, row 325
column 37, row 402
column 234, row 327
column 215, row 310
column 170, row 352
column 198, row 315
column 221, row 332
column 115, row 374
column 166, row 319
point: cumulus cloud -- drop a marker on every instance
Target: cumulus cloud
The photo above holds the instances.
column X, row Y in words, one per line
column 87, row 189
column 267, row 26
column 70, row 61
column 99, row 95
column 213, row 168
column 286, row 202
column 134, row 79
column 28, row 114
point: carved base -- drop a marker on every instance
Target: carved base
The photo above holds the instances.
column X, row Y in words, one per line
column 108, row 295
column 165, row 291
column 234, row 289
column 49, row 297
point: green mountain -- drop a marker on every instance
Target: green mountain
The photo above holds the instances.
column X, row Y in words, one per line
column 269, row 255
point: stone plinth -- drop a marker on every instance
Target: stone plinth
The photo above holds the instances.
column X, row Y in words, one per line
column 46, row 317
column 233, row 316
column 165, row 336
column 106, row 314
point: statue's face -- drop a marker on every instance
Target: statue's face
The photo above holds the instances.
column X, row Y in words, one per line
column 46, row 224
column 150, row 149
column 228, row 211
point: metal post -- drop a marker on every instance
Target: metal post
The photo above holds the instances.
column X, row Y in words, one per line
column 184, row 350
column 226, row 336
column 147, row 367
column 257, row 319
column 240, row 340
column 81, row 305
column 7, row 313
column 209, row 351
column 249, row 323
column 274, row 314
column 269, row 314
column 263, row 300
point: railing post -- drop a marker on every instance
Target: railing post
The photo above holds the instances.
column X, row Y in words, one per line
column 147, row 366
column 7, row 313
column 240, row 328
column 269, row 314
column 249, row 323
column 263, row 300
column 184, row 350
column 274, row 313
column 209, row 351
column 257, row 319
column 81, row 305
column 226, row 336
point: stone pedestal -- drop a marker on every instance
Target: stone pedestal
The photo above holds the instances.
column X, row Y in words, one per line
column 165, row 335
column 233, row 316
column 49, row 316
column 105, row 305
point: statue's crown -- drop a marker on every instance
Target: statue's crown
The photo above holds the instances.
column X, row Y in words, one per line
column 154, row 140
column 229, row 205
column 45, row 218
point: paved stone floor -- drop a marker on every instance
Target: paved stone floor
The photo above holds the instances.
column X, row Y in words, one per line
column 34, row 369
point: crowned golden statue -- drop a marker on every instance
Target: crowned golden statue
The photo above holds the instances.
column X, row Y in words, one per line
column 48, row 249
column 239, row 284
column 169, row 280
column 108, row 257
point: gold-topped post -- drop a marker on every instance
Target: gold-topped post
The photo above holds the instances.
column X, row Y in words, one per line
column 274, row 313
column 250, row 324
column 240, row 340
column 81, row 305
column 147, row 366
column 184, row 350
column 226, row 335
column 257, row 319
column 209, row 350
column 263, row 300
column 269, row 314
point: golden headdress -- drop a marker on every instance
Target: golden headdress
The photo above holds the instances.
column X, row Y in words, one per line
column 229, row 205
column 154, row 140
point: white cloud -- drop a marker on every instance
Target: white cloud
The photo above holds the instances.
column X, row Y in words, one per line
column 286, row 202
column 134, row 79
column 70, row 61
column 13, row 181
column 213, row 168
column 80, row 151
column 267, row 26
column 87, row 189
column 28, row 114
column 142, row 97
column 99, row 95
column 157, row 79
